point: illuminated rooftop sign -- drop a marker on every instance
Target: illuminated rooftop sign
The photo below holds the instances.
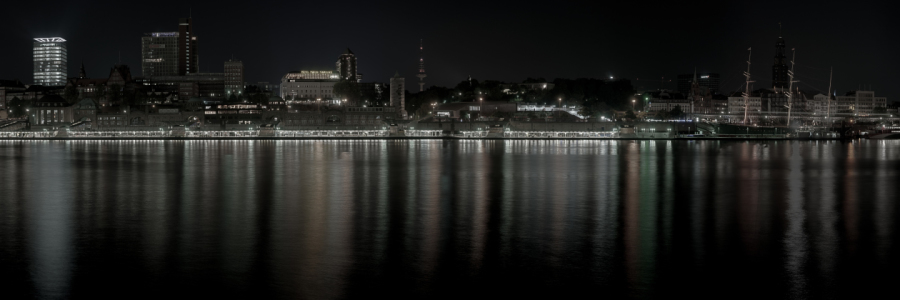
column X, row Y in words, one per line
column 164, row 34
column 50, row 40
column 704, row 76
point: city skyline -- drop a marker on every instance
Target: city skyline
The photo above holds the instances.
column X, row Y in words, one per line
column 566, row 149
column 485, row 45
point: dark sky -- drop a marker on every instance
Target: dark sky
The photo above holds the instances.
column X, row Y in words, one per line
column 504, row 41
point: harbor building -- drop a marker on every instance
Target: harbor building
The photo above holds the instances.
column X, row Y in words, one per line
column 308, row 85
column 51, row 110
column 860, row 103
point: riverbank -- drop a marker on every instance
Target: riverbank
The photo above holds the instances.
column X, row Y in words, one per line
column 408, row 138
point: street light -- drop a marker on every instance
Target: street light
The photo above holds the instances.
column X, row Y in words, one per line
column 632, row 104
column 557, row 110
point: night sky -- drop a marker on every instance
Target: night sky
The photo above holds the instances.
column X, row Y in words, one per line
column 503, row 41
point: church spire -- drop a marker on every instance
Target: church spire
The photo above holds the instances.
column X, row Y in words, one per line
column 779, row 68
column 82, row 75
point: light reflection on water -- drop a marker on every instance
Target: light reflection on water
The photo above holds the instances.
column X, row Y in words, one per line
column 355, row 218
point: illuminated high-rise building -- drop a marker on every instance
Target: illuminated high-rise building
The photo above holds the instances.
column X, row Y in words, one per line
column 234, row 77
column 346, row 66
column 159, row 54
column 170, row 53
column 188, row 58
column 50, row 61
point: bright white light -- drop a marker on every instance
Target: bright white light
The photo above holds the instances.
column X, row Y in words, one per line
column 50, row 40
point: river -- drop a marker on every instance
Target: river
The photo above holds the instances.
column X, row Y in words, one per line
column 449, row 219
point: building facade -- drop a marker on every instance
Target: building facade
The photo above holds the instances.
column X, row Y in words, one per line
column 159, row 54
column 234, row 77
column 170, row 53
column 9, row 89
column 708, row 81
column 50, row 61
column 736, row 105
column 346, row 66
column 398, row 93
column 210, row 85
column 51, row 110
column 860, row 103
column 188, row 58
column 308, row 85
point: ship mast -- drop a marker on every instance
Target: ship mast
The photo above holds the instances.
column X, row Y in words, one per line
column 747, row 89
column 790, row 92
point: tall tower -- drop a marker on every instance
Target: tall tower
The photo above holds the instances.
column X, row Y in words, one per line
column 50, row 61
column 188, row 58
column 779, row 69
column 346, row 66
column 421, row 74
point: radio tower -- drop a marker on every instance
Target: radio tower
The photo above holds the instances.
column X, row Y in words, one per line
column 421, row 74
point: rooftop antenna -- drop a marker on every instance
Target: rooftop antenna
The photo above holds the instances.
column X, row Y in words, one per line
column 779, row 30
column 747, row 89
column 790, row 91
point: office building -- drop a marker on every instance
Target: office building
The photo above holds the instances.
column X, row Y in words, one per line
column 207, row 85
column 159, row 54
column 170, row 53
column 188, row 58
column 346, row 66
column 398, row 93
column 234, row 77
column 50, row 61
column 708, row 81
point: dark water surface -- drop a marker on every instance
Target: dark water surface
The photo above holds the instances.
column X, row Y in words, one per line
column 474, row 219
